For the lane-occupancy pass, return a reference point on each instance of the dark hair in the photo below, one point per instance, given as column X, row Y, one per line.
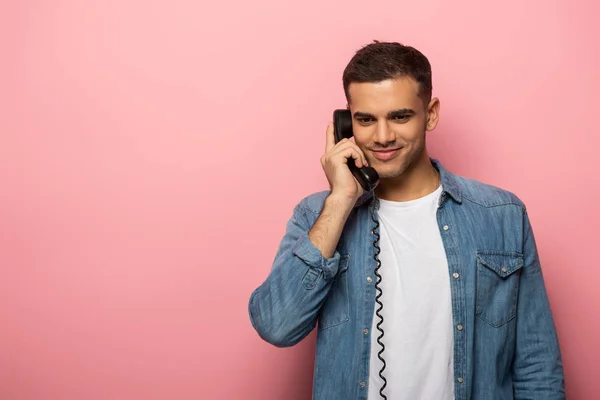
column 379, row 61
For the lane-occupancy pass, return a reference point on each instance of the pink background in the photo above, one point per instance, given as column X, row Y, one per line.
column 151, row 153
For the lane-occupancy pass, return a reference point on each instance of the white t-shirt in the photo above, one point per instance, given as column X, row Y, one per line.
column 417, row 307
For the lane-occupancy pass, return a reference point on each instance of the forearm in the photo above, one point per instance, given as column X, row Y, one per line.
column 284, row 308
column 325, row 233
column 537, row 364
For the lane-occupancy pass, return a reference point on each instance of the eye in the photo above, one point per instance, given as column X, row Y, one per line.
column 400, row 118
column 364, row 120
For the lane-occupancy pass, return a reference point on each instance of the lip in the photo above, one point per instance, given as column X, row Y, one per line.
column 386, row 154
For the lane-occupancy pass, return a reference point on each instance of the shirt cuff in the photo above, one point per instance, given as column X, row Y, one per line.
column 307, row 252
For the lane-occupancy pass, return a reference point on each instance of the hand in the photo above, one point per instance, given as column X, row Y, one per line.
column 335, row 164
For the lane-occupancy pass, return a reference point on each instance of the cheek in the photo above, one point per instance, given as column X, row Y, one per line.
column 362, row 137
column 413, row 133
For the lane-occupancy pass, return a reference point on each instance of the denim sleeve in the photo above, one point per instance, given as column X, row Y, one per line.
column 284, row 308
column 537, row 366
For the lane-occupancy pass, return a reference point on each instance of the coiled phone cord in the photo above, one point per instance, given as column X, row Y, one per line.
column 378, row 311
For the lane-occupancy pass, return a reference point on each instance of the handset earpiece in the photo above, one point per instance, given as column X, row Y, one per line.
column 342, row 128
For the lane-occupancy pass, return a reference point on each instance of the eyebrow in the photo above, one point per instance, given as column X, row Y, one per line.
column 391, row 114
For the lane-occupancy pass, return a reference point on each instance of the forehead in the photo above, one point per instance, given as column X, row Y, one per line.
column 383, row 96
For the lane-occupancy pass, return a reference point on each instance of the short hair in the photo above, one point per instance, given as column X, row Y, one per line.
column 379, row 61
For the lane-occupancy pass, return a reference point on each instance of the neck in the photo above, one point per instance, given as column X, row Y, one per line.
column 418, row 180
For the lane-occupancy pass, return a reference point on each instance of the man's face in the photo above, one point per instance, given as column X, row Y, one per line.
column 389, row 120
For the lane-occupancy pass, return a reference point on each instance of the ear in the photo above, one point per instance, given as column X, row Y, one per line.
column 433, row 113
column 347, row 106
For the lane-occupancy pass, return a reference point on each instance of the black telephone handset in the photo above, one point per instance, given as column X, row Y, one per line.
column 342, row 128
column 368, row 179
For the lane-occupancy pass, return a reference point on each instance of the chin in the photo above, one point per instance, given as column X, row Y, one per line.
column 389, row 171
column 396, row 167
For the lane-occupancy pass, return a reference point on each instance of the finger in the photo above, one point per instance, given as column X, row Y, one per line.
column 361, row 161
column 364, row 158
column 329, row 138
column 349, row 151
column 348, row 144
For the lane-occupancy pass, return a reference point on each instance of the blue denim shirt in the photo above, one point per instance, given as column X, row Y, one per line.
column 505, row 343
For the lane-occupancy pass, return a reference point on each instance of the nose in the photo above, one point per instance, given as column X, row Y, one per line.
column 384, row 134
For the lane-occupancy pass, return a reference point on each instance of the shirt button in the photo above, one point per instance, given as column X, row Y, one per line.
column 459, row 327
column 504, row 269
column 365, row 331
column 460, row 380
column 362, row 384
column 455, row 275
column 369, row 279
column 446, row 227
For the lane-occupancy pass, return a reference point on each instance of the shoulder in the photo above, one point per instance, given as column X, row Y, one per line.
column 485, row 194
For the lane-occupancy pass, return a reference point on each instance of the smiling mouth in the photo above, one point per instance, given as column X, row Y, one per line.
column 386, row 154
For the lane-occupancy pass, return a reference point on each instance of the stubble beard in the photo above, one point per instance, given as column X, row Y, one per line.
column 408, row 161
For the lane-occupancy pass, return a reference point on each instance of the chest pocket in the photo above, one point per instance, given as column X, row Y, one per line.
column 336, row 309
column 498, row 275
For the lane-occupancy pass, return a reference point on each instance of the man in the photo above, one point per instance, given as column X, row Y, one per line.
column 464, row 306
